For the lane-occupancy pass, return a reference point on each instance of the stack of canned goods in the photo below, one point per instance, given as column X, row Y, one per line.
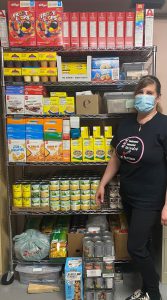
column 63, row 194
column 114, row 196
column 106, row 268
column 99, row 283
column 99, row 295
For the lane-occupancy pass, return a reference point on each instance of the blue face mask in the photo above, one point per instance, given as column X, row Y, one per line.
column 144, row 103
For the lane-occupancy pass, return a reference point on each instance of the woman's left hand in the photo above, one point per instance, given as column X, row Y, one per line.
column 164, row 215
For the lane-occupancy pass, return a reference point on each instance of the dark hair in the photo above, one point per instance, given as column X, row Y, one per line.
column 147, row 80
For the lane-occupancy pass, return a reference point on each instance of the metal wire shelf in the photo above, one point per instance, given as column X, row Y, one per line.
column 57, row 164
column 98, row 116
column 48, row 261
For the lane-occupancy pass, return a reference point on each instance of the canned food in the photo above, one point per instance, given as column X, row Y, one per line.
column 17, row 202
column 99, row 283
column 75, row 205
column 99, row 249
column 55, row 198
column 90, row 295
column 100, row 295
column 85, row 205
column 74, row 185
column 36, row 202
column 85, row 184
column 44, row 187
column 35, row 187
column 44, row 194
column 26, row 190
column 75, row 195
column 65, row 195
column 27, row 202
column 35, row 194
column 109, row 294
column 98, row 265
column 88, row 248
column 96, row 238
column 54, row 194
column 94, row 183
column 89, row 283
column 92, row 194
column 64, row 185
column 85, row 194
column 109, row 267
column 65, row 205
column 54, row 185
column 44, row 202
column 89, row 266
column 94, row 205
column 55, row 205
column 17, row 190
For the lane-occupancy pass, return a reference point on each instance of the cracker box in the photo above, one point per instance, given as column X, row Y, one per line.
column 93, row 30
column 120, row 30
column 53, row 128
column 149, row 23
column 66, row 150
column 88, row 149
column 16, row 146
column 102, row 75
column 74, row 278
column 3, row 29
column 84, row 19
column 105, row 63
column 15, row 125
column 35, row 147
column 66, row 30
column 15, row 100
column 139, row 25
column 129, row 29
column 49, row 23
column 108, row 148
column 74, row 27
column 53, row 151
column 102, row 30
column 99, row 149
column 76, row 150
column 111, row 30
column 21, row 23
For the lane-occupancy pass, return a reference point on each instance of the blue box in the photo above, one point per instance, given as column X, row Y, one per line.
column 14, row 90
column 74, row 278
column 102, row 75
column 105, row 63
column 34, row 135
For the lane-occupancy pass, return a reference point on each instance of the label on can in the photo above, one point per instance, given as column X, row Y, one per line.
column 65, row 195
column 54, row 185
column 85, row 184
column 35, row 194
column 54, row 194
column 17, row 202
column 44, row 202
column 36, row 202
column 64, row 185
column 74, row 185
column 26, row 190
column 35, row 187
column 55, row 205
column 17, row 190
column 75, row 205
column 27, row 202
column 85, row 194
column 44, row 194
column 75, row 195
column 65, row 205
column 44, row 187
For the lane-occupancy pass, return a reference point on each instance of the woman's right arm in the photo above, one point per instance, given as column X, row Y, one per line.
column 110, row 172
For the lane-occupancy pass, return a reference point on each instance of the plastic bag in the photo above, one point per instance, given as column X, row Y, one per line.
column 31, row 245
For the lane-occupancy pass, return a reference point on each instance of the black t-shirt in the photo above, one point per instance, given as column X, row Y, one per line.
column 142, row 150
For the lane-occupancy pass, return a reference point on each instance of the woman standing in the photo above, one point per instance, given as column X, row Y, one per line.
column 140, row 150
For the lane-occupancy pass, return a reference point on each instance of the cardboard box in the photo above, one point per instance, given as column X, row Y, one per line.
column 21, row 23
column 76, row 150
column 120, row 239
column 49, row 23
column 102, row 30
column 93, row 30
column 66, row 150
column 84, row 19
column 88, row 104
column 88, row 149
column 75, row 244
column 66, row 29
column 74, row 27
column 34, row 90
column 53, row 129
column 99, row 149
column 51, row 106
column 111, row 30
column 149, row 25
column 16, row 146
column 15, row 101
column 129, row 29
column 74, row 278
column 53, row 151
column 120, row 30
column 139, row 25
column 33, row 104
column 3, row 29
column 35, row 151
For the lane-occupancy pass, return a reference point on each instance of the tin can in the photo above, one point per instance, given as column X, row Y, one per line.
column 100, row 295
column 65, row 195
column 55, row 194
column 89, row 266
column 109, row 267
column 94, row 184
column 85, row 195
column 35, row 194
column 64, row 185
column 74, row 185
column 108, row 248
column 109, row 283
column 17, row 190
column 99, row 249
column 89, row 283
column 75, row 205
column 18, row 202
column 65, row 205
column 88, row 248
column 35, row 186
column 44, row 190
column 109, row 294
column 99, row 283
column 54, row 185
column 55, row 205
column 94, row 205
column 27, row 202
column 90, row 295
column 85, row 205
column 26, row 190
column 85, row 184
column 45, row 202
column 36, row 202
column 75, row 195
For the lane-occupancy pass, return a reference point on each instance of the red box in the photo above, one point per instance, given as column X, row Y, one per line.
column 129, row 29
column 84, row 19
column 111, row 30
column 93, row 30
column 120, row 30
column 21, row 20
column 49, row 23
column 66, row 30
column 102, row 30
column 74, row 27
column 33, row 90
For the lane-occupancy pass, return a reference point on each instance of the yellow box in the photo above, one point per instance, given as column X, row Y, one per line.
column 12, row 71
column 108, row 131
column 49, row 56
column 108, row 148
column 88, row 149
column 51, row 106
column 30, row 56
column 76, row 150
column 35, row 150
column 96, row 131
column 66, row 106
column 31, row 71
column 85, row 132
column 99, row 149
column 17, row 150
column 73, row 65
column 53, row 151
column 12, row 56
column 75, row 71
column 58, row 94
column 47, row 71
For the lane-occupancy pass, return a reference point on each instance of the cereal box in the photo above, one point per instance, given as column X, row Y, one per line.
column 35, row 147
column 49, row 23
column 111, row 30
column 66, row 150
column 102, row 30
column 129, row 29
column 74, row 278
column 120, row 30
column 93, row 30
column 88, row 149
column 74, row 26
column 76, row 150
column 53, row 128
column 21, row 22
column 108, row 148
column 16, row 146
column 139, row 25
column 149, row 25
column 99, row 149
column 66, row 30
column 53, row 151
column 84, row 30
column 3, row 29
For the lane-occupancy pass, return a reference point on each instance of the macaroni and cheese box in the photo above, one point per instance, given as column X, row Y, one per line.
column 76, row 150
column 21, row 23
column 96, row 131
column 108, row 148
column 74, row 278
column 51, row 106
column 53, row 129
column 99, row 149
column 35, row 147
column 49, row 23
column 88, row 149
column 16, row 146
column 66, row 106
column 53, row 151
